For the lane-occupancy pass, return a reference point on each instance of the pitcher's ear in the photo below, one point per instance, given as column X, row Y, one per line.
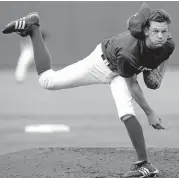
column 146, row 31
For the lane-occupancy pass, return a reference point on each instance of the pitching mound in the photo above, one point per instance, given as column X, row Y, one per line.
column 82, row 162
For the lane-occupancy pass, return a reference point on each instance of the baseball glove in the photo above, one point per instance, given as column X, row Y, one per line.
column 152, row 78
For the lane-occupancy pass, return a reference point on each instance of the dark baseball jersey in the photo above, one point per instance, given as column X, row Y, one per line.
column 128, row 55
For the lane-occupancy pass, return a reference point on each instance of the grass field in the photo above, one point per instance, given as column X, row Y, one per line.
column 89, row 112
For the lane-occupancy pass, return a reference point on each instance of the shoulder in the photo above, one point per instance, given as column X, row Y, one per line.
column 127, row 41
column 132, row 47
column 170, row 44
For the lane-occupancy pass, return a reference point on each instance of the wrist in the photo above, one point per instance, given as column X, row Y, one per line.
column 149, row 112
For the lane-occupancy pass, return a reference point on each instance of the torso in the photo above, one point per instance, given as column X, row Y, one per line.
column 128, row 55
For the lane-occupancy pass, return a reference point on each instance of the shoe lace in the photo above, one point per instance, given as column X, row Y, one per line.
column 142, row 168
column 138, row 165
column 134, row 167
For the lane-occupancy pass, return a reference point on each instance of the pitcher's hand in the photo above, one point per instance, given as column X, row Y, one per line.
column 155, row 121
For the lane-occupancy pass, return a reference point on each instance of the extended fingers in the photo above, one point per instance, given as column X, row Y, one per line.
column 158, row 126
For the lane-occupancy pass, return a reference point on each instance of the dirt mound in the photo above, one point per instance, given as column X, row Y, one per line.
column 83, row 162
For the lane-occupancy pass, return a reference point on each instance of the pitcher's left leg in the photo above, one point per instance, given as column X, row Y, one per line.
column 125, row 108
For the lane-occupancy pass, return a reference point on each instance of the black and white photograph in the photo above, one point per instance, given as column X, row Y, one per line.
column 89, row 89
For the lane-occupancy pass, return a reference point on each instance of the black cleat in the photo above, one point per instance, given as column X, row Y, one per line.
column 142, row 169
column 23, row 26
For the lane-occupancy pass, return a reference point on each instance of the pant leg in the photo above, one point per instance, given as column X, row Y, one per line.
column 122, row 97
column 91, row 70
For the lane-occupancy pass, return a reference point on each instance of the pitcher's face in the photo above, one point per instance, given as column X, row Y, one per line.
column 156, row 34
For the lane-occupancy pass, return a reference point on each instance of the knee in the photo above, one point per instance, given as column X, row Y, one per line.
column 126, row 110
column 126, row 117
column 46, row 80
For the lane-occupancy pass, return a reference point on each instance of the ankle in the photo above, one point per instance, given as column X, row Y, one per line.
column 35, row 30
column 142, row 158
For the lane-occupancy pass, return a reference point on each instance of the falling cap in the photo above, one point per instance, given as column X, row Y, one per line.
column 135, row 22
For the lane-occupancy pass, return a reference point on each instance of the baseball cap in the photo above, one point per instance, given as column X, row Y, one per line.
column 135, row 22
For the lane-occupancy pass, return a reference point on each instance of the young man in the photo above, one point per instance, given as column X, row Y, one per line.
column 26, row 58
column 116, row 61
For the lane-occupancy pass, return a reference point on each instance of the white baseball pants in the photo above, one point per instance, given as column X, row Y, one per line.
column 91, row 70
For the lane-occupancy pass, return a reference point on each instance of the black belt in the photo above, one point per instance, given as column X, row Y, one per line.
column 109, row 65
column 103, row 57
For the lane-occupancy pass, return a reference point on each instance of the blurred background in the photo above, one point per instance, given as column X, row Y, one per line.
column 75, row 28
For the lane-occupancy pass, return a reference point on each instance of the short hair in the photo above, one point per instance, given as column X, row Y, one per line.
column 158, row 15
